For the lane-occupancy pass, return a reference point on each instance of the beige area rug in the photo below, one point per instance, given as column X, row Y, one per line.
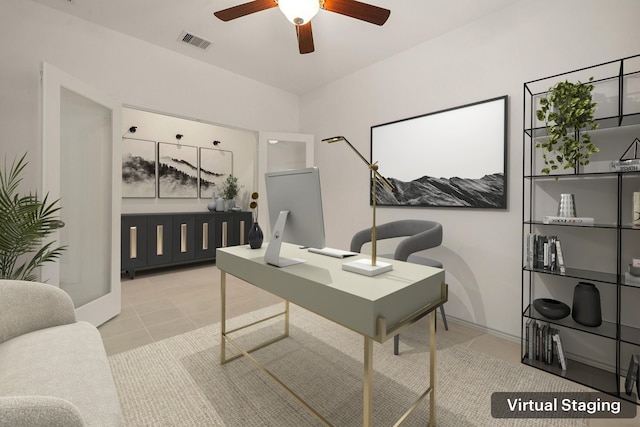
column 179, row 381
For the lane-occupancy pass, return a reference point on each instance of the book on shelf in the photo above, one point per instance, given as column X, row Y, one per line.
column 532, row 333
column 544, row 252
column 562, row 361
column 560, row 257
column 564, row 220
column 632, row 374
column 627, row 165
column 543, row 344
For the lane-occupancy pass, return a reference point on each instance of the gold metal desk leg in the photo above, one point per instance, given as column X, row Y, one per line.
column 367, row 417
column 286, row 318
column 432, row 368
column 223, row 314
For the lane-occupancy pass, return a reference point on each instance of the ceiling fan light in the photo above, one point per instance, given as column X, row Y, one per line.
column 299, row 12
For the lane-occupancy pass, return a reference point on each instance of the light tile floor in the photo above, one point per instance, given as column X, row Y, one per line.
column 162, row 303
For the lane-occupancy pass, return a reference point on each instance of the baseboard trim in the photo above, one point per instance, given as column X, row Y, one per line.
column 494, row 332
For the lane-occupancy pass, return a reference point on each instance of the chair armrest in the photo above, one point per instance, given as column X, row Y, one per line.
column 359, row 239
column 30, row 306
column 38, row 411
column 418, row 242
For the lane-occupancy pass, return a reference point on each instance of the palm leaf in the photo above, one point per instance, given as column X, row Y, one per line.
column 26, row 223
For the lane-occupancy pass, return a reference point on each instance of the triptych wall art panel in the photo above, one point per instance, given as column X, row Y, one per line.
column 177, row 171
column 215, row 167
column 158, row 169
column 450, row 158
column 138, row 168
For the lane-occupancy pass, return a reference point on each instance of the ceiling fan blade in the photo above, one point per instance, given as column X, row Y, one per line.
column 244, row 9
column 355, row 9
column 305, row 38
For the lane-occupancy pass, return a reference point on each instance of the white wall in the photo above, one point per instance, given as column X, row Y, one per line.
column 492, row 56
column 137, row 73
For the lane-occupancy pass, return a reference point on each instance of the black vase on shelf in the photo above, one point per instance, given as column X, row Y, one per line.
column 586, row 305
column 255, row 236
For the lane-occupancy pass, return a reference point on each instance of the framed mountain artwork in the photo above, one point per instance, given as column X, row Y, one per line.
column 454, row 158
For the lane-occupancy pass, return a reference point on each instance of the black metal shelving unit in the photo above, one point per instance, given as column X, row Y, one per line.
column 620, row 109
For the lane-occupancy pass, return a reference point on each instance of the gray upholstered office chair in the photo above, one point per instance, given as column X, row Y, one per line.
column 420, row 234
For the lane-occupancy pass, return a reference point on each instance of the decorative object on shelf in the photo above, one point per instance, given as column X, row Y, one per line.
column 365, row 267
column 26, row 224
column 230, row 189
column 551, row 308
column 586, row 305
column 567, row 206
column 212, row 203
column 629, row 164
column 256, row 236
column 568, row 113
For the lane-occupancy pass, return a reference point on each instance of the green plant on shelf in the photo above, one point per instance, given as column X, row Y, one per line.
column 568, row 113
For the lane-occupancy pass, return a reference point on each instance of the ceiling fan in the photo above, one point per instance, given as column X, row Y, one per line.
column 300, row 12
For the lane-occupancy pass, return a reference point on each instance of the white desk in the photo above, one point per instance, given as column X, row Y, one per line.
column 376, row 307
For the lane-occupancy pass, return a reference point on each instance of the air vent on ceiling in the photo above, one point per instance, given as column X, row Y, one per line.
column 195, row 41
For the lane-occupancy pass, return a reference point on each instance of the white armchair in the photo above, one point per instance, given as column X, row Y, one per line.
column 53, row 370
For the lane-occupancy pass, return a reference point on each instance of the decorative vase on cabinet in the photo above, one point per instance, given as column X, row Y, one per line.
column 212, row 203
column 220, row 204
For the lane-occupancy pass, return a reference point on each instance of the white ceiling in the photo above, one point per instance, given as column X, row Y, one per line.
column 263, row 45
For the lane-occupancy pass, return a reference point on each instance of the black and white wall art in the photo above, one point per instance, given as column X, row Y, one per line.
column 138, row 168
column 177, row 171
column 450, row 158
column 215, row 167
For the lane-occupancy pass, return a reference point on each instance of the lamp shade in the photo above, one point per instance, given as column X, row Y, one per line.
column 299, row 12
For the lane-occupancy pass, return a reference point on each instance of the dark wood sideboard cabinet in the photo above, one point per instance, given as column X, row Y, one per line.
column 150, row 240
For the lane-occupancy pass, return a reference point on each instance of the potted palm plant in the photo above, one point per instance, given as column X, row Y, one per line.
column 26, row 222
column 568, row 114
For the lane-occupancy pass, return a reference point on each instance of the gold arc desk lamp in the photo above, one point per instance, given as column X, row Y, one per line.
column 363, row 266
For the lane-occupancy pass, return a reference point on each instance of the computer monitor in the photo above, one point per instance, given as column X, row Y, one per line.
column 295, row 212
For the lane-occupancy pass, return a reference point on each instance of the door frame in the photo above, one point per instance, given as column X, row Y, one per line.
column 53, row 79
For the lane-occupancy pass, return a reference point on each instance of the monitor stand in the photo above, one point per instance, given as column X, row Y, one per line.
column 272, row 255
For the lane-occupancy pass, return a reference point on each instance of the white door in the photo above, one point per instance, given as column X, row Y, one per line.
column 81, row 160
